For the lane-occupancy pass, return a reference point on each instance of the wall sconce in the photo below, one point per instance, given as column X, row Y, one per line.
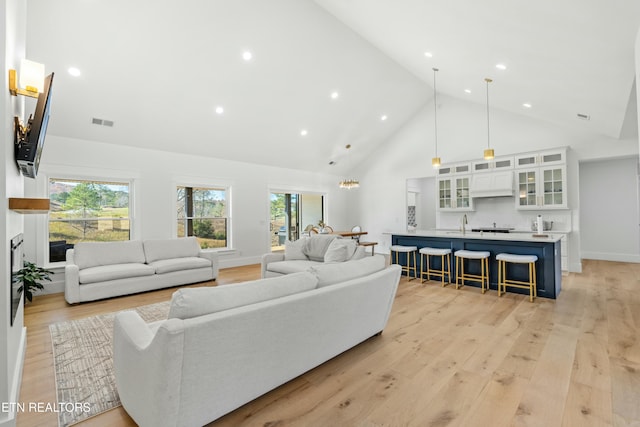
column 31, row 79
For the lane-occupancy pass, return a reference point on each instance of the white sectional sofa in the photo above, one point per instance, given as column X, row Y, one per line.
column 224, row 346
column 308, row 252
column 97, row 270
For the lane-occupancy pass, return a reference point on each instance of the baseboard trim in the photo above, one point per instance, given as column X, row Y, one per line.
column 608, row 256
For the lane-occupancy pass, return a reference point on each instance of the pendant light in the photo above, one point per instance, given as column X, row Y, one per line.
column 435, row 161
column 488, row 153
column 349, row 183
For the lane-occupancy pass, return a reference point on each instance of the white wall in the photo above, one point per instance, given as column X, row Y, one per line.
column 13, row 338
column 380, row 203
column 609, row 210
column 155, row 174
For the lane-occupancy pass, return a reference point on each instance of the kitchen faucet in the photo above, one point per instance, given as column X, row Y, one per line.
column 464, row 222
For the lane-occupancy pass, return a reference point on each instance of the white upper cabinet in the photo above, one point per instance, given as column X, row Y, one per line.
column 499, row 163
column 542, row 188
column 540, row 181
column 454, row 193
column 543, row 158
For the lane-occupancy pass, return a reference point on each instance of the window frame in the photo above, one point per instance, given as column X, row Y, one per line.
column 219, row 186
column 115, row 178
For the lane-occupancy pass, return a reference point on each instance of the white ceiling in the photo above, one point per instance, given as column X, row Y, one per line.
column 158, row 69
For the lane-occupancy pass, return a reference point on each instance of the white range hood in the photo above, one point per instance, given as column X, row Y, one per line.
column 492, row 184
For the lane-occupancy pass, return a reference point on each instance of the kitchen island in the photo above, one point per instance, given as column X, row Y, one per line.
column 546, row 247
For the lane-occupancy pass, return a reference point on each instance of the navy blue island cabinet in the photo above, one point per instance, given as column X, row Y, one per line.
column 547, row 248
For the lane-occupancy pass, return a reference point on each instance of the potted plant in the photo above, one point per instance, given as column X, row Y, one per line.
column 30, row 275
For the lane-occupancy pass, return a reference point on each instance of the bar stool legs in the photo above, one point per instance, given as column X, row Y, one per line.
column 445, row 258
column 503, row 282
column 461, row 276
column 409, row 250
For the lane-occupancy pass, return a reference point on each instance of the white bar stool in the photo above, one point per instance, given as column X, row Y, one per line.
column 503, row 282
column 445, row 257
column 461, row 276
column 408, row 250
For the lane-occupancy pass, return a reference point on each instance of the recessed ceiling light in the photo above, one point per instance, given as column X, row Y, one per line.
column 467, row 91
column 383, row 117
column 501, row 66
column 334, row 95
column 304, row 132
column 219, row 110
column 526, row 105
column 246, row 55
column 74, row 71
column 428, row 54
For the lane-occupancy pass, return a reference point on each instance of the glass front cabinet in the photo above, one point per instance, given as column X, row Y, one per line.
column 453, row 193
column 543, row 187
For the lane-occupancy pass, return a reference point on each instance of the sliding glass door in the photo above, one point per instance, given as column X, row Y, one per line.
column 291, row 214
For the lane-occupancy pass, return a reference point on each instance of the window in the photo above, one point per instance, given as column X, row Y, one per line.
column 91, row 211
column 202, row 212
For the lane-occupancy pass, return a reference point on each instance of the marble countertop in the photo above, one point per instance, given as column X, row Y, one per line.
column 516, row 236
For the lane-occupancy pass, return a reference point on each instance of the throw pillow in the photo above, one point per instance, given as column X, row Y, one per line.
column 193, row 302
column 340, row 250
column 316, row 246
column 329, row 274
column 293, row 250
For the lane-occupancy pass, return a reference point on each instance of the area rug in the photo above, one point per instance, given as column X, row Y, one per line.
column 83, row 363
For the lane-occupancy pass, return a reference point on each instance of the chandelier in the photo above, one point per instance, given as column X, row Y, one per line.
column 349, row 183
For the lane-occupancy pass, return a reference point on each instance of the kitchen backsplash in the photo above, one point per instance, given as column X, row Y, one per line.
column 502, row 211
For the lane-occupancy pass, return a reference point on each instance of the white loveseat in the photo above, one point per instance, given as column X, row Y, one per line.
column 227, row 345
column 97, row 270
column 302, row 254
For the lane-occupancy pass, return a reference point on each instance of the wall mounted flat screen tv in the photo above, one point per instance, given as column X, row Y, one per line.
column 29, row 149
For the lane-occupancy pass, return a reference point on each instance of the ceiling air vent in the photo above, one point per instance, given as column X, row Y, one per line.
column 102, row 122
column 583, row 116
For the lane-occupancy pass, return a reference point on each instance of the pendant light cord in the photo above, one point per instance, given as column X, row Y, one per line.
column 435, row 110
column 488, row 135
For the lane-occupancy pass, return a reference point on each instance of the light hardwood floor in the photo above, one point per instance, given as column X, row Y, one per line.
column 446, row 358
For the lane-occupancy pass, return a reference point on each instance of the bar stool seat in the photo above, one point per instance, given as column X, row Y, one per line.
column 445, row 257
column 461, row 276
column 503, row 282
column 408, row 250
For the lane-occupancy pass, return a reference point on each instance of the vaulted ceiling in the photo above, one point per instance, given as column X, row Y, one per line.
column 324, row 73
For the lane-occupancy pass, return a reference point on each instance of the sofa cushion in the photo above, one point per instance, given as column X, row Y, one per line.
column 178, row 264
column 316, row 246
column 288, row 267
column 293, row 250
column 329, row 274
column 340, row 250
column 93, row 254
column 102, row 273
column 193, row 302
column 182, row 247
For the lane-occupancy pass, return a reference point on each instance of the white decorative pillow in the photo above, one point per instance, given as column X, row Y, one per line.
column 316, row 246
column 340, row 250
column 193, row 302
column 293, row 250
